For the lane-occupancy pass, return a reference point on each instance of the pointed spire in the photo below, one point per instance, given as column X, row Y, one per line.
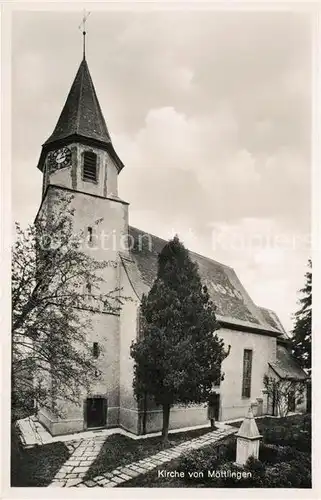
column 81, row 119
column 81, row 114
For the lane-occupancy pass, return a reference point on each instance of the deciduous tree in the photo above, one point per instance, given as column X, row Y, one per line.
column 51, row 355
column 284, row 393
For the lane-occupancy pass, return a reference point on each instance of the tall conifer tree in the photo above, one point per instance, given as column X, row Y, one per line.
column 177, row 356
column 303, row 323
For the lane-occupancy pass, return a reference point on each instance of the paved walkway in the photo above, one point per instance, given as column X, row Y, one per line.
column 83, row 454
column 86, row 451
column 33, row 433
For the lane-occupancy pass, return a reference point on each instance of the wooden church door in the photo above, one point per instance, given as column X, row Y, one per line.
column 96, row 412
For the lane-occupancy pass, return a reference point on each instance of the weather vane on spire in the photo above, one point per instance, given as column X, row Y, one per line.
column 82, row 27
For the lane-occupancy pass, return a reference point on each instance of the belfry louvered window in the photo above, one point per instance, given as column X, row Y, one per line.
column 90, row 166
column 247, row 373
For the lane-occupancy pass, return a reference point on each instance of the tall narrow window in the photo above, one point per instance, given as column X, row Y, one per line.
column 95, row 350
column 247, row 373
column 89, row 234
column 90, row 166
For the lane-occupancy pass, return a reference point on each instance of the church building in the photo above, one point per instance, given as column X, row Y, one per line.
column 79, row 158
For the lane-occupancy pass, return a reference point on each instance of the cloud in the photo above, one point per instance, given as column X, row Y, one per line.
column 203, row 168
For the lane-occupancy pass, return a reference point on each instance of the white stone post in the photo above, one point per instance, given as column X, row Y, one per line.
column 254, row 406
column 259, row 411
column 247, row 440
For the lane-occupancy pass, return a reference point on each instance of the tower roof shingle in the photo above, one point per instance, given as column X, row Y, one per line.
column 81, row 114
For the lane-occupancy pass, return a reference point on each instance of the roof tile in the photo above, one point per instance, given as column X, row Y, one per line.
column 286, row 366
column 233, row 304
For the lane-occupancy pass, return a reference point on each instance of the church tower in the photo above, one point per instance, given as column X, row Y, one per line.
column 79, row 154
column 79, row 158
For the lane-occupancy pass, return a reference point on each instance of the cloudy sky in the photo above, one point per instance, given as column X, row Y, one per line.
column 209, row 111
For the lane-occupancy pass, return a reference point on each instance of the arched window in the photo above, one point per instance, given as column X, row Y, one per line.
column 90, row 166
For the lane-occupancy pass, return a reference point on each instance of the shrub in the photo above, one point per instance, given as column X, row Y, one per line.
column 208, row 458
column 276, row 476
column 231, row 475
column 220, row 458
column 257, row 469
column 268, row 453
column 227, row 450
column 301, row 440
column 287, row 453
column 274, row 435
column 199, row 461
column 227, row 469
column 293, row 474
column 297, row 435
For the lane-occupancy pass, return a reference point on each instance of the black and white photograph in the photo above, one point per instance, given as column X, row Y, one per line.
column 161, row 257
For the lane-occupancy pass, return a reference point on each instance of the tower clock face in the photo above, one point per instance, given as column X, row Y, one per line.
column 59, row 158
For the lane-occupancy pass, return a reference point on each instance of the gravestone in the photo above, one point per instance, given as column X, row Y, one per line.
column 247, row 440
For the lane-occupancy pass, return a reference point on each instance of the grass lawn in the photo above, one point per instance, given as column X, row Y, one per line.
column 37, row 466
column 151, row 479
column 121, row 450
column 270, row 422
